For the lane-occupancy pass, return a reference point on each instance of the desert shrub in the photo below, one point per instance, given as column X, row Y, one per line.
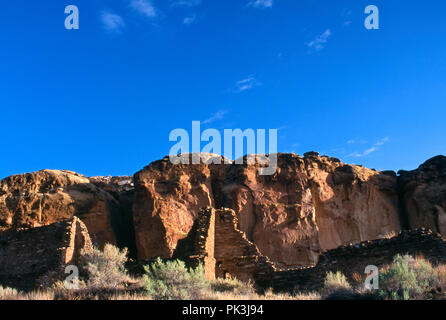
column 105, row 270
column 172, row 280
column 337, row 287
column 407, row 278
column 232, row 285
column 336, row 282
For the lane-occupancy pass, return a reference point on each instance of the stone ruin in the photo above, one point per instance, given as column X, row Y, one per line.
column 215, row 241
column 27, row 256
column 224, row 250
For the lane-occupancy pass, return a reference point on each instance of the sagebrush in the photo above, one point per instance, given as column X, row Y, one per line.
column 172, row 280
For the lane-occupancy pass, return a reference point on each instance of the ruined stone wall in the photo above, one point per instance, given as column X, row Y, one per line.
column 198, row 247
column 235, row 255
column 26, row 256
column 355, row 258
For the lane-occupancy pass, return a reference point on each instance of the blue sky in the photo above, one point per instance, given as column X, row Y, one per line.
column 103, row 99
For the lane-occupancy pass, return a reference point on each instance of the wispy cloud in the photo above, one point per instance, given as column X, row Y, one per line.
column 356, row 141
column 246, row 84
column 144, row 7
column 112, row 22
column 319, row 43
column 261, row 4
column 383, row 141
column 186, row 3
column 189, row 19
column 345, row 14
column 370, row 150
column 218, row 116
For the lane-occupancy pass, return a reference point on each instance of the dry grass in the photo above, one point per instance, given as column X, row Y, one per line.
column 390, row 234
column 233, row 289
column 13, row 294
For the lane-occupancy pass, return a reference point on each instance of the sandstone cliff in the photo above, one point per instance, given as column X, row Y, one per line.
column 167, row 200
column 423, row 195
column 44, row 197
column 310, row 205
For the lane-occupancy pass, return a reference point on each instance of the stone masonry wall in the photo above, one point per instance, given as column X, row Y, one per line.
column 27, row 256
column 198, row 246
column 353, row 259
column 235, row 255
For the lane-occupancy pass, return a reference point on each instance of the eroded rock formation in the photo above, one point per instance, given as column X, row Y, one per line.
column 48, row 196
column 167, row 200
column 310, row 205
column 424, row 195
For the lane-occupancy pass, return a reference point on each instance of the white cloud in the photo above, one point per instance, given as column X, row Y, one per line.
column 319, row 43
column 144, row 7
column 370, row 150
column 112, row 22
column 246, row 84
column 261, row 4
column 189, row 19
column 218, row 116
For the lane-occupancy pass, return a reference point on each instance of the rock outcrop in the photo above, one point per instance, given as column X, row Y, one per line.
column 167, row 200
column 423, row 195
column 310, row 205
column 41, row 198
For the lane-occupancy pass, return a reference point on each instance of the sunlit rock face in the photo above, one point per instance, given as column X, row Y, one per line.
column 167, row 200
column 48, row 196
column 424, row 195
column 309, row 205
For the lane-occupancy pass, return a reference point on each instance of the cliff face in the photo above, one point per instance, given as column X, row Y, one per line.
column 48, row 196
column 352, row 203
column 424, row 195
column 310, row 205
column 167, row 200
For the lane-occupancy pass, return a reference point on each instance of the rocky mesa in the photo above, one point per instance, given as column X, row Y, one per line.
column 310, row 205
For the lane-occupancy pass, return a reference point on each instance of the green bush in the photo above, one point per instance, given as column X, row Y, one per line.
column 407, row 279
column 105, row 270
column 172, row 280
